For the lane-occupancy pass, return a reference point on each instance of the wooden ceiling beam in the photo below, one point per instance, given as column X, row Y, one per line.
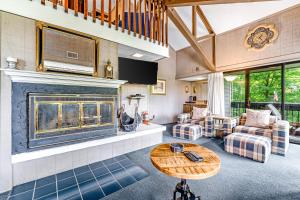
column 173, row 15
column 174, row 3
column 205, row 37
column 194, row 21
column 204, row 20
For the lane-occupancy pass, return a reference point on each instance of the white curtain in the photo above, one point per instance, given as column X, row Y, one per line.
column 216, row 104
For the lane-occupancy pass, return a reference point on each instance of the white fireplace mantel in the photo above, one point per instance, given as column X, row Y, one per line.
column 60, row 79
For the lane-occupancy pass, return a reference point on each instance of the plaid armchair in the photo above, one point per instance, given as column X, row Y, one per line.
column 227, row 123
column 278, row 132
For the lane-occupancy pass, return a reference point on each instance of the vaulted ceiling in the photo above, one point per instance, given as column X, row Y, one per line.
column 224, row 17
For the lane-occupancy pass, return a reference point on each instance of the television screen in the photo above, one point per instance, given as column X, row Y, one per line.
column 137, row 71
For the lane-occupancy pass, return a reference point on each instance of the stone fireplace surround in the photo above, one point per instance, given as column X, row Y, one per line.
column 22, row 138
column 27, row 166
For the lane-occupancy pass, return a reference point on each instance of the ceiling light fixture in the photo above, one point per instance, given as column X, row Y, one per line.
column 137, row 55
column 230, row 78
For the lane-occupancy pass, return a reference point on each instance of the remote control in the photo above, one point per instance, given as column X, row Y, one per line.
column 193, row 156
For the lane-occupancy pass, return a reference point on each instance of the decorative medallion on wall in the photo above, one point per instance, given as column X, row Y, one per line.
column 261, row 36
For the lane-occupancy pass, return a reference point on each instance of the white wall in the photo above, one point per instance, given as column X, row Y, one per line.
column 201, row 90
column 132, row 89
column 167, row 107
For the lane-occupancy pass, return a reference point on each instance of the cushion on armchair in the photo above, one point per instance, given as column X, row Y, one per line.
column 258, row 118
column 199, row 113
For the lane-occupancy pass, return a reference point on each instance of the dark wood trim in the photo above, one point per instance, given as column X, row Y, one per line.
column 283, row 91
column 247, row 88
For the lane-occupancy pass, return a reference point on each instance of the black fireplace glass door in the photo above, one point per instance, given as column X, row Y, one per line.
column 106, row 113
column 90, row 116
column 47, row 117
column 70, row 115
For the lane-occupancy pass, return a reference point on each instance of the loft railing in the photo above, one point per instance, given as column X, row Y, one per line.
column 143, row 18
column 291, row 112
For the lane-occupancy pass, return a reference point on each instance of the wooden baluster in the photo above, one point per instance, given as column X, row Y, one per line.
column 43, row 2
column 94, row 11
column 158, row 22
column 109, row 13
column 102, row 12
column 123, row 15
column 154, row 21
column 167, row 27
column 76, row 7
column 66, row 6
column 150, row 20
column 86, row 9
column 145, row 19
column 117, row 15
column 134, row 17
column 55, row 4
column 129, row 16
column 140, row 18
column 163, row 26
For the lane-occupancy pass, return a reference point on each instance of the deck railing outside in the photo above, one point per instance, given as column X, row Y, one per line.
column 292, row 110
column 143, row 18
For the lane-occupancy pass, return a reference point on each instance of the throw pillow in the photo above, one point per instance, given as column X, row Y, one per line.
column 258, row 118
column 199, row 113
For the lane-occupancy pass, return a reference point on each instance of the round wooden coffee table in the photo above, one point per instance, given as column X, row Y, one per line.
column 178, row 165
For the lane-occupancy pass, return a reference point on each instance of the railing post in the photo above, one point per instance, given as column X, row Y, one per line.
column 66, row 4
column 86, row 9
column 134, row 17
column 109, row 13
column 117, row 15
column 123, row 15
column 129, row 17
column 55, row 4
column 145, row 19
column 76, row 7
column 102, row 12
column 94, row 11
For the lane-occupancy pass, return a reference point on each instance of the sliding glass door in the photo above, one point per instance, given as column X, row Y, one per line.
column 265, row 88
column 278, row 85
column 292, row 92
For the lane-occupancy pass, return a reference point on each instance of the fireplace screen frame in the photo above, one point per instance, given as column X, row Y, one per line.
column 60, row 134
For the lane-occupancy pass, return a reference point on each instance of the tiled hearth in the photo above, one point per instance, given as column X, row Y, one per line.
column 93, row 181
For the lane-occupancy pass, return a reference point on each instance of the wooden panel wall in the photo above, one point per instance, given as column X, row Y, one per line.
column 232, row 55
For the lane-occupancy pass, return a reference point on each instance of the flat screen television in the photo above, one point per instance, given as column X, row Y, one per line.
column 137, row 71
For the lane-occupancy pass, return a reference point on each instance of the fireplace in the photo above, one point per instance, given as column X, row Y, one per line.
column 45, row 116
column 58, row 116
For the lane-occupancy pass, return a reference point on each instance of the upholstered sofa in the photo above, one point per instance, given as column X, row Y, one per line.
column 278, row 132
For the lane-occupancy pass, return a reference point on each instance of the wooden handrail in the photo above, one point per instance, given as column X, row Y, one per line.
column 148, row 17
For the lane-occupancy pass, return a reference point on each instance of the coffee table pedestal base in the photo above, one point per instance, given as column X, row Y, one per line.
column 184, row 190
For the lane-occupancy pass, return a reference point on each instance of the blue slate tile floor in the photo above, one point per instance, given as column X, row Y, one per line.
column 90, row 182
